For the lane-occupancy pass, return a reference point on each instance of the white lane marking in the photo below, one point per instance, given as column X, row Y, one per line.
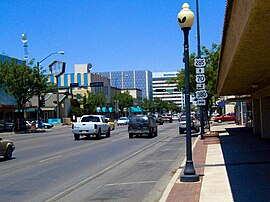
column 169, row 150
column 156, row 161
column 119, row 139
column 90, row 178
column 48, row 159
column 128, row 183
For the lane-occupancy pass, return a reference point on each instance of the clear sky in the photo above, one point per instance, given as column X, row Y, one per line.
column 112, row 35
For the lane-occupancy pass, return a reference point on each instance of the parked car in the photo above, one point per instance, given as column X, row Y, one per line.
column 227, row 117
column 142, row 124
column 166, row 117
column 6, row 126
column 122, row 121
column 6, row 148
column 43, row 124
column 214, row 114
column 195, row 124
column 110, row 122
column 158, row 119
column 28, row 124
column 175, row 117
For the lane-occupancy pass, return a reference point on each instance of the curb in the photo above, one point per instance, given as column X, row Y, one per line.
column 175, row 176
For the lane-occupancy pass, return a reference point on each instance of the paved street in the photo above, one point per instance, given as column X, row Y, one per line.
column 51, row 166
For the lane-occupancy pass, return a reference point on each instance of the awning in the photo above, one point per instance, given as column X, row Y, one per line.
column 221, row 104
column 136, row 109
column 104, row 109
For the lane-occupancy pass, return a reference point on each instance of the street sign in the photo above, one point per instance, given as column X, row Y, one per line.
column 96, row 84
column 200, row 78
column 74, row 84
column 199, row 62
column 200, row 70
column 201, row 94
column 200, row 86
column 201, row 102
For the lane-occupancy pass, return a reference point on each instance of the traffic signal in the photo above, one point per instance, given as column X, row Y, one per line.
column 42, row 101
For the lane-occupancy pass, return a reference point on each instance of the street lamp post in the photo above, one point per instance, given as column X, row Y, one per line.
column 185, row 20
column 38, row 103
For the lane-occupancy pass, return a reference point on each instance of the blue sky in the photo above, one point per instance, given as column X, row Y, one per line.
column 112, row 35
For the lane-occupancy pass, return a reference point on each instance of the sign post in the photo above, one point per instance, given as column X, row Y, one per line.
column 201, row 93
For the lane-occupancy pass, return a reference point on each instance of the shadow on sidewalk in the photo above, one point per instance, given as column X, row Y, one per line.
column 247, row 160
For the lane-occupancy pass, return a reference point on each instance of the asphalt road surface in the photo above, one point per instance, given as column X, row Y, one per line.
column 51, row 166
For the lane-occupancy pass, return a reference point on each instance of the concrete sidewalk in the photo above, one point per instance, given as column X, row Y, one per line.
column 236, row 169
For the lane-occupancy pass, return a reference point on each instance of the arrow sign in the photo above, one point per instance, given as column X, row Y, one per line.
column 200, row 70
column 200, row 86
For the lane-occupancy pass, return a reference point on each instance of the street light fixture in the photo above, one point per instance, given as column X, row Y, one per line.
column 38, row 104
column 185, row 20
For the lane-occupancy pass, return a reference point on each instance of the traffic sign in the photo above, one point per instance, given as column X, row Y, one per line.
column 200, row 86
column 200, row 70
column 200, row 78
column 201, row 102
column 201, row 94
column 199, row 62
column 96, row 84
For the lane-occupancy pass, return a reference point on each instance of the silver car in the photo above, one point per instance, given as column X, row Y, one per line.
column 6, row 148
column 195, row 124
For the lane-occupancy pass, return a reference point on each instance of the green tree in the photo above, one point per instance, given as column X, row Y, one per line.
column 23, row 82
column 159, row 104
column 147, row 105
column 212, row 58
column 77, row 111
column 211, row 71
column 171, row 106
column 124, row 100
column 93, row 101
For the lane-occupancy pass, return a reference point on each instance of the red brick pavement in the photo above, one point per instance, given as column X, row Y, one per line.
column 190, row 192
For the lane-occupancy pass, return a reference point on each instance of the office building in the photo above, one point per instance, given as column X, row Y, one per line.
column 140, row 79
column 165, row 91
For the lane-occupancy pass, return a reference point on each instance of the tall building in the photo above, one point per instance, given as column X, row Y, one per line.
column 140, row 79
column 83, row 78
column 165, row 91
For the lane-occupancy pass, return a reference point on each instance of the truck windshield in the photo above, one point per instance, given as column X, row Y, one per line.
column 90, row 119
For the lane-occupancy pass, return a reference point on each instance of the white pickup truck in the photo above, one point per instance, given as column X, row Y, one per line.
column 91, row 125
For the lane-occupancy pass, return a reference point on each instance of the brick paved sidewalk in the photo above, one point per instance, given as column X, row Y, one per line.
column 190, row 192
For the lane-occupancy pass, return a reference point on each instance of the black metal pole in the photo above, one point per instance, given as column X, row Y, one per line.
column 38, row 103
column 189, row 174
column 199, row 55
column 57, row 99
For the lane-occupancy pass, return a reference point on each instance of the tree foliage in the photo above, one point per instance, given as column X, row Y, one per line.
column 93, row 101
column 124, row 100
column 147, row 105
column 22, row 81
column 212, row 58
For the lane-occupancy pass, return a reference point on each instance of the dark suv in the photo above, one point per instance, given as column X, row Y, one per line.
column 142, row 124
